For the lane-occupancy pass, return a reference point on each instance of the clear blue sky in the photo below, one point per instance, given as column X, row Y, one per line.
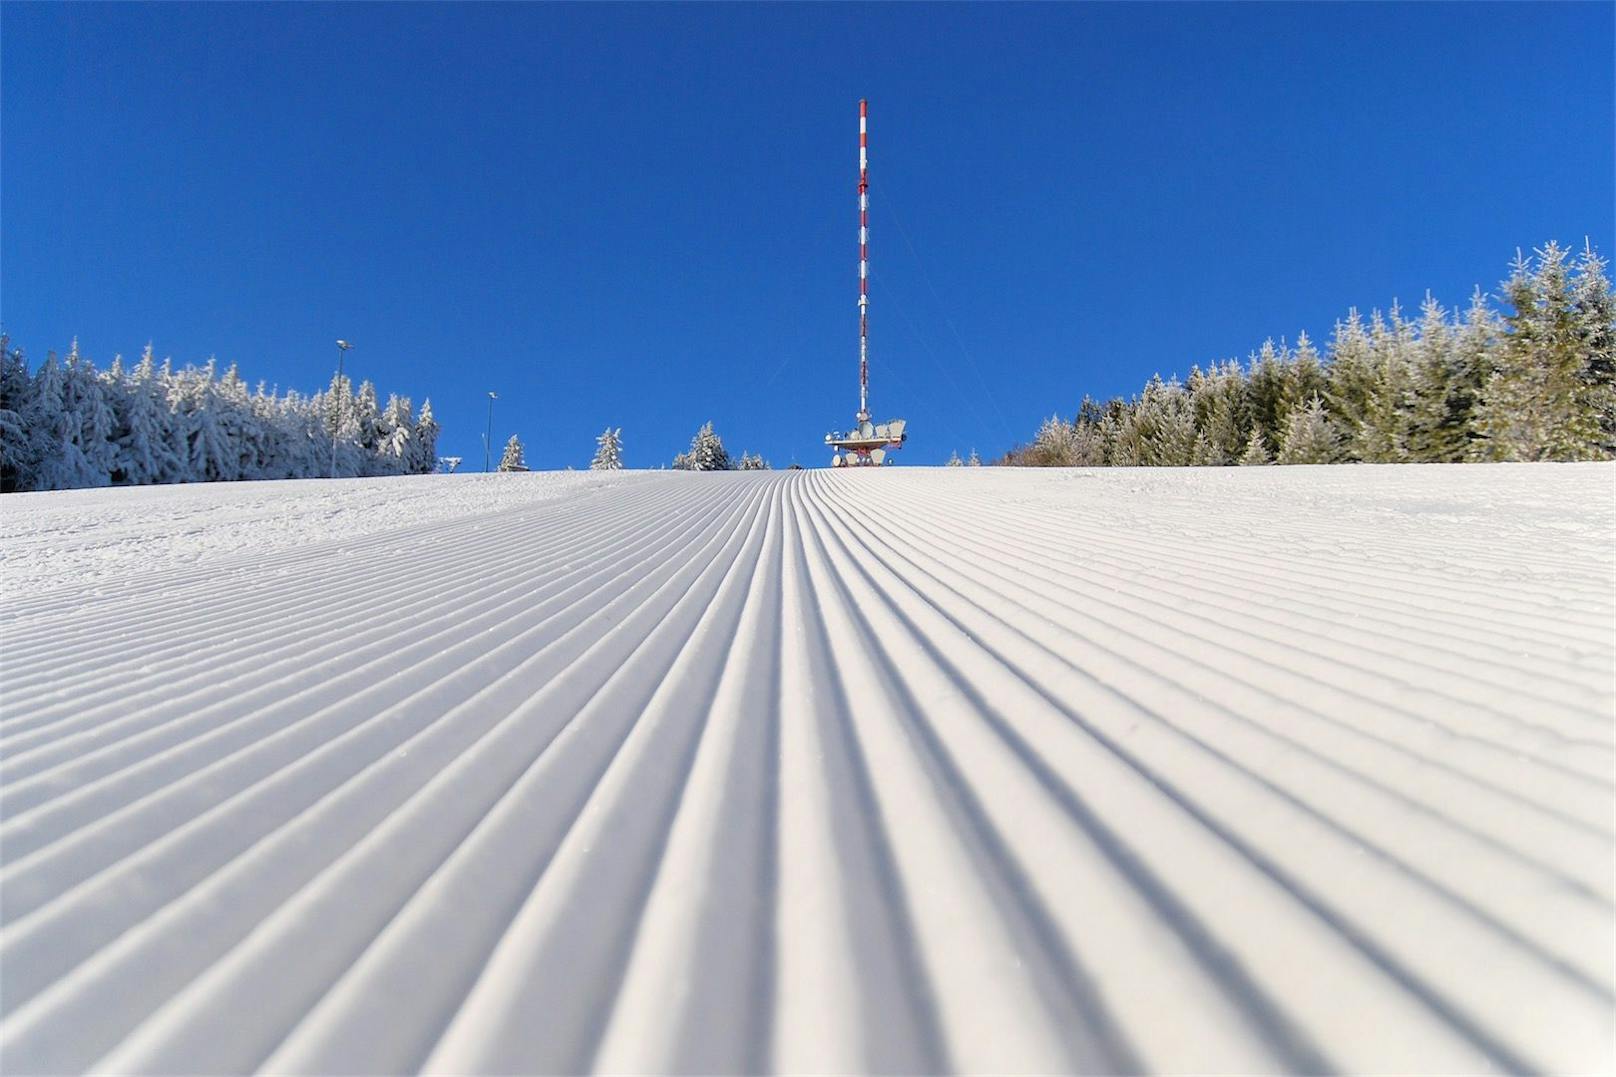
column 644, row 216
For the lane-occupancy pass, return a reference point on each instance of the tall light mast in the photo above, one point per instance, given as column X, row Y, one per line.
column 866, row 444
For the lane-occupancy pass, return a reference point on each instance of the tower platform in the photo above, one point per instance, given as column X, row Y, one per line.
column 866, row 445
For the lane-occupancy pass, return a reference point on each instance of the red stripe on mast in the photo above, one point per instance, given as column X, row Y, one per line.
column 864, row 261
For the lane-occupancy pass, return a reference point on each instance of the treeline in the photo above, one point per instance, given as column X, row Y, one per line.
column 1534, row 381
column 68, row 425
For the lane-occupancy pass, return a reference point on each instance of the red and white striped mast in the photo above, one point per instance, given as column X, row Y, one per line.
column 864, row 261
column 867, row 443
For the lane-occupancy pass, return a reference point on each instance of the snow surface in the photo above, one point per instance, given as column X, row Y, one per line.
column 1279, row 769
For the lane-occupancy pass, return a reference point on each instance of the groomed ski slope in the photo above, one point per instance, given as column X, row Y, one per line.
column 1277, row 769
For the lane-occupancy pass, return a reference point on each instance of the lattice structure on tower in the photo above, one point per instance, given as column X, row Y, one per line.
column 866, row 444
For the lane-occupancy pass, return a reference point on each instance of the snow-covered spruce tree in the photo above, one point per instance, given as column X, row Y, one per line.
column 1055, row 444
column 1390, row 417
column 1256, row 453
column 1088, row 439
column 1266, row 387
column 305, row 446
column 1225, row 419
column 1125, row 447
column 1304, row 374
column 18, row 452
column 1088, row 449
column 1450, row 370
column 60, row 463
column 397, row 446
column 145, row 442
column 954, row 460
column 1175, row 430
column 974, row 460
column 707, row 451
column 514, row 458
column 1309, row 437
column 273, row 447
column 753, row 463
column 206, row 453
column 1350, row 382
column 90, row 418
column 682, row 462
column 250, row 442
column 426, row 441
column 1549, row 397
column 1430, row 437
column 608, row 451
column 1594, row 305
column 1164, row 421
column 366, row 418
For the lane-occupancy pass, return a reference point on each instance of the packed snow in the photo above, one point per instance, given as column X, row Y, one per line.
column 84, row 536
column 969, row 769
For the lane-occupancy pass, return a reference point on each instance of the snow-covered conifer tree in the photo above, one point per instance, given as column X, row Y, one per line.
column 1055, row 444
column 426, row 441
column 1304, row 376
column 514, row 458
column 1221, row 414
column 91, row 420
column 707, row 451
column 1256, row 452
column 398, row 435
column 366, row 417
column 974, row 460
column 18, row 452
column 1552, row 395
column 1088, row 448
column 145, row 446
column 60, row 464
column 1309, row 437
column 1124, row 442
column 1350, row 380
column 210, row 449
column 1266, row 387
column 1384, row 437
column 1164, row 420
column 1593, row 304
column 954, row 460
column 608, row 451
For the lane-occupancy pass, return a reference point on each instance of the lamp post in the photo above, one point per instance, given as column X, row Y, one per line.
column 336, row 404
column 488, row 438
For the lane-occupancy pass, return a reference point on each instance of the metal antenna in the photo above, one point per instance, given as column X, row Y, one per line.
column 867, row 443
column 864, row 261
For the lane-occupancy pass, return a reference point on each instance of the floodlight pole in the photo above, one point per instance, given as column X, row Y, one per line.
column 488, row 438
column 336, row 403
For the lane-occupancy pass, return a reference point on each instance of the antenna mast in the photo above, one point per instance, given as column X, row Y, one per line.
column 864, row 261
column 867, row 443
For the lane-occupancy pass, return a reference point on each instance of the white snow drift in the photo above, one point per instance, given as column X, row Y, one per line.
column 970, row 769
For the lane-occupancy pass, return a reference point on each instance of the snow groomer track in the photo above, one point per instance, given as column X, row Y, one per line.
column 1284, row 769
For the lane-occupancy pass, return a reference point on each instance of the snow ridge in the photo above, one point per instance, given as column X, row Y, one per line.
column 1264, row 769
